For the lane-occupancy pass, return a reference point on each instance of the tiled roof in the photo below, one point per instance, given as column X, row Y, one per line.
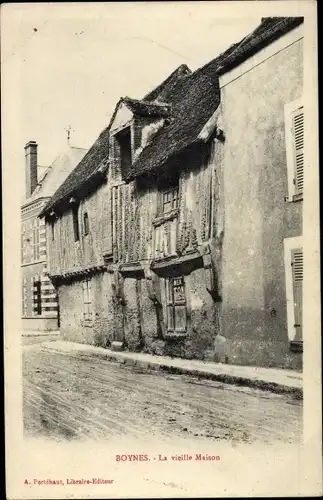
column 195, row 97
column 56, row 173
column 268, row 30
column 192, row 99
column 147, row 108
column 161, row 92
column 85, row 170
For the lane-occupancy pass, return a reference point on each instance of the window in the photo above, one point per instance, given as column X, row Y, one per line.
column 52, row 222
column 124, row 142
column 24, row 297
column 176, row 305
column 87, row 301
column 170, row 199
column 294, row 134
column 293, row 257
column 85, row 223
column 22, row 247
column 35, row 242
column 37, row 305
column 297, row 273
column 76, row 223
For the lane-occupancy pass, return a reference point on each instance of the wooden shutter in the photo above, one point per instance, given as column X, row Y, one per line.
column 297, row 272
column 170, row 306
column 298, row 136
column 176, row 305
column 179, row 304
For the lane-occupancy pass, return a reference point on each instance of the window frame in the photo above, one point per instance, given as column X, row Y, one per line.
column 172, row 197
column 52, row 225
column 24, row 298
column 125, row 161
column 86, row 225
column 36, row 299
column 75, row 221
column 290, row 245
column 36, row 242
column 289, row 112
column 172, row 302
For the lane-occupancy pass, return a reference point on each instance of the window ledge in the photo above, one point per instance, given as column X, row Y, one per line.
column 294, row 198
column 161, row 219
column 33, row 262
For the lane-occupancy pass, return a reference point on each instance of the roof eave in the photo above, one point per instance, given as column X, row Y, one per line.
column 163, row 162
column 257, row 44
column 91, row 184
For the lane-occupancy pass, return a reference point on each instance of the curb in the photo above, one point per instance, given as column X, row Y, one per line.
column 219, row 377
column 34, row 333
column 201, row 374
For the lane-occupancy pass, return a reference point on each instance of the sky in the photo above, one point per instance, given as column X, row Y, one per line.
column 73, row 62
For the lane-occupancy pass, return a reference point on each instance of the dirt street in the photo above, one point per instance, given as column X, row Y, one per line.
column 71, row 397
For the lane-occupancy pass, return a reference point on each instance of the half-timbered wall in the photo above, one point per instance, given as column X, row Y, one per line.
column 66, row 254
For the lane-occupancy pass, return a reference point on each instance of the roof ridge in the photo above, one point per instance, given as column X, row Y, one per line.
column 179, row 71
column 221, row 58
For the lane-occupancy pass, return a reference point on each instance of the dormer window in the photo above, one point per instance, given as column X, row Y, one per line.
column 123, row 139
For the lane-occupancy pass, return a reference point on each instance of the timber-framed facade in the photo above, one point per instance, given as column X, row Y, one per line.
column 144, row 232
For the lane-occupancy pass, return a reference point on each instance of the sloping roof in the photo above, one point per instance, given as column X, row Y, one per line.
column 195, row 97
column 265, row 33
column 192, row 99
column 56, row 173
column 99, row 151
column 147, row 108
column 85, row 170
column 162, row 91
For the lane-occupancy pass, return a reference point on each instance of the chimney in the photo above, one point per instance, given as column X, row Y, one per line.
column 31, row 167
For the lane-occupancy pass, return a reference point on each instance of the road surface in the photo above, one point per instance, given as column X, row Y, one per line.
column 71, row 397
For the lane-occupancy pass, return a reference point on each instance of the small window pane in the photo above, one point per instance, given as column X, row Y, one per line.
column 179, row 295
column 170, row 199
column 167, row 206
column 176, row 308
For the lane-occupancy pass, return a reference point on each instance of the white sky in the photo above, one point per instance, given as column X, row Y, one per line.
column 82, row 59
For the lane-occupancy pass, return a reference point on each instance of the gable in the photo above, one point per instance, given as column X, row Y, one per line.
column 122, row 117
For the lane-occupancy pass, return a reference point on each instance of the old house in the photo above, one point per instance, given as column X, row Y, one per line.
column 169, row 236
column 262, row 165
column 39, row 298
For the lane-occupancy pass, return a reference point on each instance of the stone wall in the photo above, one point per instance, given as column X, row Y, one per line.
column 257, row 217
column 73, row 326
